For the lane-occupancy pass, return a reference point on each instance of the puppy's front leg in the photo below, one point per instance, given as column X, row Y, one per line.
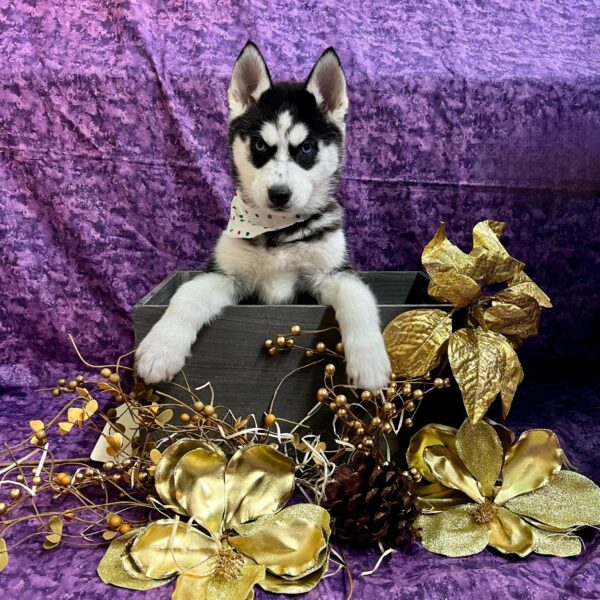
column 367, row 362
column 162, row 353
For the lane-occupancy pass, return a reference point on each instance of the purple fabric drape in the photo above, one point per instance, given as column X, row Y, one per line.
column 114, row 172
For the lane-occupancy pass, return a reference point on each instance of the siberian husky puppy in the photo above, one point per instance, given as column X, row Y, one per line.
column 284, row 235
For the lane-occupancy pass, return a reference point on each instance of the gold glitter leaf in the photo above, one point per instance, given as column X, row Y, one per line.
column 567, row 500
column 258, row 481
column 478, row 362
column 530, row 463
column 290, row 543
column 556, row 544
column 111, row 570
column 451, row 472
column 523, row 284
column 492, row 263
column 512, row 376
column 168, row 547
column 480, row 450
column 416, row 340
column 431, row 435
column 3, row 554
column 513, row 313
column 453, row 532
column 510, row 534
column 36, row 425
column 199, row 479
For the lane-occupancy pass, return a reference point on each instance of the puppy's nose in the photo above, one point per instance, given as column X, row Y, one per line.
column 279, row 195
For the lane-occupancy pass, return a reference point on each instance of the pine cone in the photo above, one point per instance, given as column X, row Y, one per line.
column 371, row 503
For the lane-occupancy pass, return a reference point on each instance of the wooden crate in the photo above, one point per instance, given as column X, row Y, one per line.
column 230, row 353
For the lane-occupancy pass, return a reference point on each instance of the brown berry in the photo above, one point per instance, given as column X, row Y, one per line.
column 295, row 330
column 125, row 529
column 270, row 419
column 115, row 522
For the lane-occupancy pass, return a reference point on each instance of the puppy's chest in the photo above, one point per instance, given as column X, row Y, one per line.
column 255, row 266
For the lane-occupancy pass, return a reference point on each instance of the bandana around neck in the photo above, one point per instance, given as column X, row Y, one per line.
column 246, row 222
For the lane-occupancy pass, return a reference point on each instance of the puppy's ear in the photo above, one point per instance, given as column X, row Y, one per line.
column 327, row 84
column 249, row 80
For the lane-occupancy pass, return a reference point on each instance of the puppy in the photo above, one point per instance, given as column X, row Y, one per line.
column 284, row 234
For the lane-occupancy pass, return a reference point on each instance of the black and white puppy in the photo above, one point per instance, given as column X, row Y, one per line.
column 285, row 233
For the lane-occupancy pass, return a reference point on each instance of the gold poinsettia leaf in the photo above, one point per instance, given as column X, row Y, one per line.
column 282, row 585
column 523, row 284
column 167, row 547
column 557, row 544
column 510, row 534
column 435, row 497
column 567, row 500
column 456, row 288
column 290, row 543
column 530, row 463
column 513, row 313
column 453, row 532
column 111, row 570
column 491, row 262
column 512, row 376
column 477, row 360
column 3, row 554
column 441, row 254
column 55, row 523
column 448, row 469
column 480, row 450
column 163, row 477
column 432, row 434
column 416, row 340
column 258, row 481
column 199, row 479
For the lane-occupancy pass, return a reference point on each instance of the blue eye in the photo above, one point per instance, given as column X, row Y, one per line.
column 259, row 145
column 307, row 147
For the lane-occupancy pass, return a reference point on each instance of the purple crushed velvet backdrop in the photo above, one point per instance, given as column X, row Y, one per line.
column 114, row 172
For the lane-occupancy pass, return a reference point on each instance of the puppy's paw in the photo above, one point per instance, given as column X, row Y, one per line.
column 161, row 354
column 367, row 363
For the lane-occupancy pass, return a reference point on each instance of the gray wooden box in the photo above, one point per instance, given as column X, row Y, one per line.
column 231, row 354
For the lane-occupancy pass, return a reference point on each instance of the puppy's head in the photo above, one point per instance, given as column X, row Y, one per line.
column 287, row 139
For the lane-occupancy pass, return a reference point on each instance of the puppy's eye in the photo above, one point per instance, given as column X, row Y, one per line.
column 307, row 147
column 259, row 145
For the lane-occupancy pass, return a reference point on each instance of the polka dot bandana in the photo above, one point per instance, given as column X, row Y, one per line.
column 246, row 222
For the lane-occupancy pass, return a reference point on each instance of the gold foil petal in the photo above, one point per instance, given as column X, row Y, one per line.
column 523, row 284
column 189, row 587
column 258, row 481
column 453, row 533
column 478, row 361
column 111, row 570
column 433, row 434
column 280, row 585
column 236, row 589
column 492, row 263
column 163, row 477
column 289, row 543
column 567, row 500
column 480, row 450
column 458, row 289
column 159, row 554
column 512, row 376
column 513, row 313
column 415, row 340
column 510, row 534
column 529, row 464
column 199, row 479
column 435, row 497
column 450, row 471
column 556, row 544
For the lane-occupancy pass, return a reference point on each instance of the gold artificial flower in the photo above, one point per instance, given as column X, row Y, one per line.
column 483, row 488
column 243, row 536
